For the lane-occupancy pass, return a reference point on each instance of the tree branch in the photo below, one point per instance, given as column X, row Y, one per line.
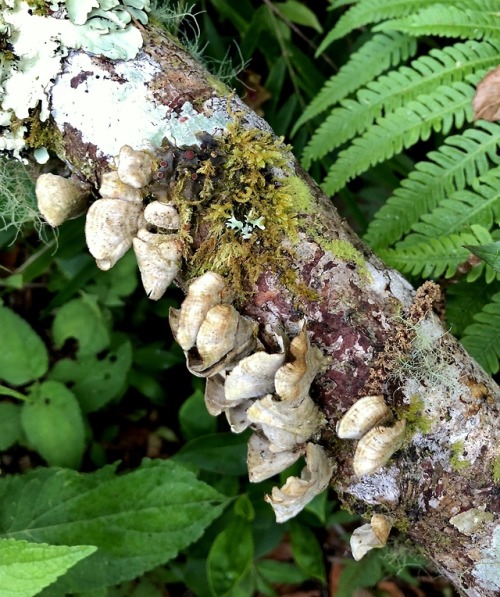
column 241, row 206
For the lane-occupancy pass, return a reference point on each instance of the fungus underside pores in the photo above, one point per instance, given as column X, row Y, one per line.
column 148, row 201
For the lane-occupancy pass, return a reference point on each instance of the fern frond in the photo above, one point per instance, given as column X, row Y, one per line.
column 339, row 3
column 434, row 257
column 372, row 11
column 464, row 300
column 481, row 205
column 374, row 57
column 481, row 338
column 454, row 165
column 448, row 106
column 447, row 21
column 395, row 88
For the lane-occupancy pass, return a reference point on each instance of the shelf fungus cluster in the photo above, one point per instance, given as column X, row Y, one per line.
column 130, row 212
column 268, row 392
column 377, row 442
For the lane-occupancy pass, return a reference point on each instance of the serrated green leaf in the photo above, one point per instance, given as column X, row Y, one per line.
column 299, row 13
column 95, row 381
column 230, row 558
column 120, row 281
column 53, row 423
column 10, row 425
column 489, row 253
column 83, row 320
column 307, row 552
column 24, row 356
column 223, row 453
column 27, row 568
column 138, row 521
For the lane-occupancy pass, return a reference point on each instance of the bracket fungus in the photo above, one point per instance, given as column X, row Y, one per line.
column 372, row 535
column 376, row 447
column 297, row 492
column 60, row 199
column 364, row 414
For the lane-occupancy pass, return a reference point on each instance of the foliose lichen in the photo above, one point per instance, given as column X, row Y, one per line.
column 39, row 35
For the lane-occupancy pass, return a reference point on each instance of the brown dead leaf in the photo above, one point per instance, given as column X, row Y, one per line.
column 391, row 588
column 486, row 102
column 256, row 94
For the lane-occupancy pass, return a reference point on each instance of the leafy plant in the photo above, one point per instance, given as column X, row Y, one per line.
column 404, row 90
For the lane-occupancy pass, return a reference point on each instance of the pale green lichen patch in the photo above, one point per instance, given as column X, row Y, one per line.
column 487, row 570
column 38, row 41
column 471, row 521
column 456, row 461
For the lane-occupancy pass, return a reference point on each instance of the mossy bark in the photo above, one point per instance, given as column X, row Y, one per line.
column 377, row 334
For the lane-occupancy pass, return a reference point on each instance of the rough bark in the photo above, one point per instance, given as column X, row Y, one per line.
column 378, row 335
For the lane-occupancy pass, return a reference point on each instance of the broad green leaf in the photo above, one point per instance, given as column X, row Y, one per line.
column 307, row 551
column 95, row 381
column 223, row 453
column 230, row 558
column 23, row 356
column 138, row 520
column 10, row 425
column 298, row 13
column 53, row 424
column 83, row 320
column 27, row 568
column 276, row 572
column 112, row 286
column 365, row 573
column 489, row 253
column 194, row 419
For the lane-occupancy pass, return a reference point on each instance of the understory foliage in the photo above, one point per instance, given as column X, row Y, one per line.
column 396, row 128
column 116, row 482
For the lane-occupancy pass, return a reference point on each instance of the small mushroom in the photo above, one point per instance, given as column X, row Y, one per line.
column 110, row 226
column 135, row 168
column 159, row 260
column 253, row 376
column 370, row 536
column 60, row 199
column 162, row 215
column 113, row 188
column 297, row 492
column 263, row 463
column 376, row 447
column 203, row 293
column 364, row 414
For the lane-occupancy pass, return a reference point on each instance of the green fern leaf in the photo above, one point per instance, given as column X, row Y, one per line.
column 454, row 165
column 481, row 205
column 481, row 338
column 394, row 89
column 434, row 257
column 447, row 21
column 374, row 57
column 448, row 106
column 464, row 300
column 372, row 11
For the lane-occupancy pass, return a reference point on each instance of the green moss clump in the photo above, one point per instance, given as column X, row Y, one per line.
column 344, row 251
column 496, row 470
column 248, row 204
column 457, row 463
column 415, row 421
